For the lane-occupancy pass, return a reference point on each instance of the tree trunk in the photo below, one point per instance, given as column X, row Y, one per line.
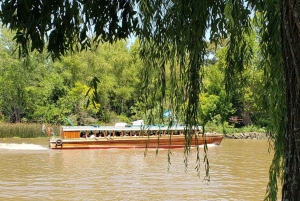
column 290, row 32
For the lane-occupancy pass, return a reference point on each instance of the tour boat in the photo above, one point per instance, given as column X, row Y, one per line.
column 122, row 136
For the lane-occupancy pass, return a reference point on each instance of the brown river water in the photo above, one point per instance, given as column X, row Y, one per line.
column 31, row 171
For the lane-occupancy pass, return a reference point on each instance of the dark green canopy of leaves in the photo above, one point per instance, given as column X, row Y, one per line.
column 67, row 25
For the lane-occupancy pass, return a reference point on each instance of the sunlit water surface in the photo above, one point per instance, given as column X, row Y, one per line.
column 30, row 171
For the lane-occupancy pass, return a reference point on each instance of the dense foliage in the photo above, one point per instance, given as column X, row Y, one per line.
column 45, row 91
column 42, row 90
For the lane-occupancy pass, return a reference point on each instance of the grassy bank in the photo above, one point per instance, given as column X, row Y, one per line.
column 226, row 129
column 23, row 130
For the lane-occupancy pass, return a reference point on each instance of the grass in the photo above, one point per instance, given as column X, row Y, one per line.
column 227, row 129
column 23, row 130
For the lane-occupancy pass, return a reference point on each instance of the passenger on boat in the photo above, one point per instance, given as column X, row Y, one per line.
column 83, row 134
column 118, row 133
column 92, row 135
column 98, row 134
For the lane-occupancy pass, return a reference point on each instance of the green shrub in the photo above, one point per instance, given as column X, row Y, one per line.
column 228, row 129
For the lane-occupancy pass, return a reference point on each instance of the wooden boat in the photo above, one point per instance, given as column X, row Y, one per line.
column 121, row 136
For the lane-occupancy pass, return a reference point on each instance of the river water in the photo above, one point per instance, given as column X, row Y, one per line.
column 30, row 171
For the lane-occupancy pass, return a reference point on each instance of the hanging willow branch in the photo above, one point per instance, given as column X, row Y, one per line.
column 176, row 41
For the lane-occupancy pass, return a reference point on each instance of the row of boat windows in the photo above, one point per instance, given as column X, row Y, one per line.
column 93, row 134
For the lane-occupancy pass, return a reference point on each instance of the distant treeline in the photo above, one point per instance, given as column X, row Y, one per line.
column 39, row 90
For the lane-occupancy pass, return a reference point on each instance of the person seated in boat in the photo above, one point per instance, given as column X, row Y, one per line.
column 109, row 135
column 98, row 134
column 91, row 135
column 83, row 134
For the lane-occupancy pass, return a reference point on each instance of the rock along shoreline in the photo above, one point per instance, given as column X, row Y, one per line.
column 250, row 135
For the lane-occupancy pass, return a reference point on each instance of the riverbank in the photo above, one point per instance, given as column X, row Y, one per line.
column 249, row 135
column 34, row 130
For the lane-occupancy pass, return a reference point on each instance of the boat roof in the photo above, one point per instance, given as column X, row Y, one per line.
column 125, row 128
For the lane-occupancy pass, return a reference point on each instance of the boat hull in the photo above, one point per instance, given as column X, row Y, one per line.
column 129, row 142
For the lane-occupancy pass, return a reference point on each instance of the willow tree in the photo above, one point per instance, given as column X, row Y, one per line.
column 173, row 35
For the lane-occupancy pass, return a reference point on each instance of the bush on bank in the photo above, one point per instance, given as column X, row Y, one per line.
column 229, row 130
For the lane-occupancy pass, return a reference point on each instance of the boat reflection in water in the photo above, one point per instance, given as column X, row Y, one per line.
column 122, row 136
